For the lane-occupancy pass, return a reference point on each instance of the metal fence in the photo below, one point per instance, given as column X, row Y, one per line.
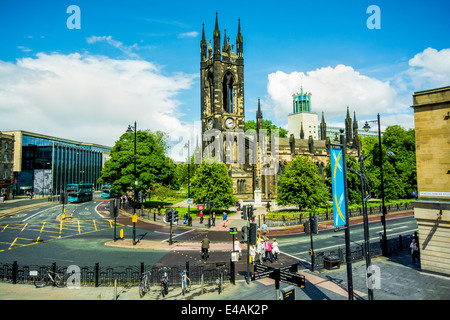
column 394, row 245
column 98, row 275
column 299, row 219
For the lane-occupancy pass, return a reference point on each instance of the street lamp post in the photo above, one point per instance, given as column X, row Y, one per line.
column 383, row 207
column 189, row 181
column 130, row 130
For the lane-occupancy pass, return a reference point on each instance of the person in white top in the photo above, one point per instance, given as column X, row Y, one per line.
column 275, row 249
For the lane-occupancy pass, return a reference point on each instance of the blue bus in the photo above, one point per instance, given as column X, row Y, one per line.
column 80, row 192
column 108, row 192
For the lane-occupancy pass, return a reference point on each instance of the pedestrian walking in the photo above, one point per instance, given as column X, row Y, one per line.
column 260, row 249
column 264, row 228
column 200, row 215
column 205, row 247
column 414, row 251
column 268, row 249
column 213, row 218
column 275, row 249
column 224, row 219
column 252, row 253
column 237, row 247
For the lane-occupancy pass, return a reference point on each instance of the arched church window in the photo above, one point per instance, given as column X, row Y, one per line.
column 228, row 93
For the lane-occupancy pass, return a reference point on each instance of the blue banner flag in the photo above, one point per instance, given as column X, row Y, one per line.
column 338, row 190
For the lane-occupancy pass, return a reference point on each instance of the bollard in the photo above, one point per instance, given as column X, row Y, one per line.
column 121, row 234
column 96, row 274
column 14, row 272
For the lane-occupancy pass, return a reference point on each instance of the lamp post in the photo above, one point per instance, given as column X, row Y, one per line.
column 187, row 145
column 130, row 130
column 383, row 207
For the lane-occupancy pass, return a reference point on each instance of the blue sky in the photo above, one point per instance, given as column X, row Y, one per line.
column 139, row 60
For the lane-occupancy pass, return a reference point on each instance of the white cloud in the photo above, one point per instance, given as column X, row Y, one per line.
column 333, row 89
column 428, row 69
column 192, row 34
column 89, row 98
column 128, row 51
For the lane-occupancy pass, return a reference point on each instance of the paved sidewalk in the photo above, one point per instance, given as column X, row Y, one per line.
column 400, row 279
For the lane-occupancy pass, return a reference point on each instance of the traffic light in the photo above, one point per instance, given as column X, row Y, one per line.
column 315, row 224
column 175, row 215
column 245, row 233
column 63, row 198
column 244, row 212
column 250, row 212
column 252, row 233
column 306, row 226
column 168, row 215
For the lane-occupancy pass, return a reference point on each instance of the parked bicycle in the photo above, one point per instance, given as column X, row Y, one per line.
column 164, row 285
column 185, row 281
column 144, row 287
column 49, row 278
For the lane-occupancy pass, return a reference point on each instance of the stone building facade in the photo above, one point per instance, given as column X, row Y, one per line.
column 432, row 209
column 255, row 161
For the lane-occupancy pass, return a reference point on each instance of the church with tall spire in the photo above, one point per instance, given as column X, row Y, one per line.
column 223, row 118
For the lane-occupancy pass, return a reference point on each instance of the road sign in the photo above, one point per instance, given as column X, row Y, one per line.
column 292, row 278
column 189, row 202
column 286, row 274
column 233, row 230
column 262, row 275
column 200, row 207
column 134, row 218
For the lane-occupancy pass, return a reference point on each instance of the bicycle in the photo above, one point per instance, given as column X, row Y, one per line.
column 164, row 285
column 185, row 281
column 144, row 287
column 50, row 277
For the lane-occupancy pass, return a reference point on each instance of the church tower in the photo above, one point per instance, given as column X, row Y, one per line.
column 221, row 82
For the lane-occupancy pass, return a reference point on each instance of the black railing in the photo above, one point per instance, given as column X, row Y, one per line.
column 98, row 275
column 357, row 251
column 299, row 219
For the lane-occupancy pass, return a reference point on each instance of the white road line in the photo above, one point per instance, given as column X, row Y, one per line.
column 178, row 235
column 37, row 214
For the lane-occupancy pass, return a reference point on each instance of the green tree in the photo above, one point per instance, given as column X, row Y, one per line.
column 211, row 181
column 399, row 163
column 301, row 185
column 152, row 165
column 266, row 125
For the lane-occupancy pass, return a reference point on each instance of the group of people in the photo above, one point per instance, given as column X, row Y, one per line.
column 265, row 250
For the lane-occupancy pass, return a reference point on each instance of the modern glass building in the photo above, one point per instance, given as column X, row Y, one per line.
column 45, row 165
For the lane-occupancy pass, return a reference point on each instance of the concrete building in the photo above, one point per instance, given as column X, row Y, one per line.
column 302, row 122
column 432, row 209
column 45, row 165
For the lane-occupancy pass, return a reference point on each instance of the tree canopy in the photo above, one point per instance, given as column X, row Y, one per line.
column 152, row 165
column 211, row 181
column 266, row 125
column 301, row 185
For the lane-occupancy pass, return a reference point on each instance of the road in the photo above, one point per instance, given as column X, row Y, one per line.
column 37, row 236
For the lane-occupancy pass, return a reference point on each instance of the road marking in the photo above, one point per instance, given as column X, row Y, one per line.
column 12, row 243
column 178, row 235
column 24, row 227
column 36, row 214
column 95, row 225
column 78, row 222
column 43, row 224
column 5, row 227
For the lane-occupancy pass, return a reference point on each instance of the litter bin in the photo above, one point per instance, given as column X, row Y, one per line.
column 330, row 262
column 287, row 293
